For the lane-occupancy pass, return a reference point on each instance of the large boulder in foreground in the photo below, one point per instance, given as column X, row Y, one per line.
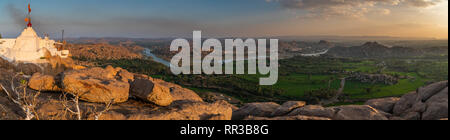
column 428, row 103
column 350, row 112
column 178, row 93
column 383, row 104
column 425, row 93
column 287, row 107
column 96, row 85
column 314, row 110
column 255, row 109
column 437, row 106
column 42, row 82
column 358, row 112
column 405, row 103
column 148, row 91
column 299, row 117
column 189, row 110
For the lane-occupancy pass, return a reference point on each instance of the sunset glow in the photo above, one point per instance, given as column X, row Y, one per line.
column 162, row 18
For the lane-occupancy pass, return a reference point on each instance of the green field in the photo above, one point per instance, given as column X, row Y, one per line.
column 301, row 77
column 297, row 84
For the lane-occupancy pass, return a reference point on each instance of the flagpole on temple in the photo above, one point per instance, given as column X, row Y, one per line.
column 29, row 15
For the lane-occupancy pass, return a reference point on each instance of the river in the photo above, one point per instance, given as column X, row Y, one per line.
column 148, row 52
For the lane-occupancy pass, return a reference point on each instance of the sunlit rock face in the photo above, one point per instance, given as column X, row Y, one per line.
column 29, row 47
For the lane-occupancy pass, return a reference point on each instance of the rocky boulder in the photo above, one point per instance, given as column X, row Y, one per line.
column 299, row 117
column 58, row 64
column 424, row 93
column 148, row 91
column 383, row 104
column 28, row 68
column 358, row 112
column 428, row 103
column 124, row 75
column 437, row 106
column 350, row 112
column 42, row 82
column 314, row 110
column 189, row 110
column 406, row 102
column 287, row 107
column 255, row 109
column 178, row 93
column 96, row 85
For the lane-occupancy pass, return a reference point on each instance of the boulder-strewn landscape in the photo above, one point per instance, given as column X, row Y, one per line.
column 116, row 94
column 117, row 82
column 427, row 103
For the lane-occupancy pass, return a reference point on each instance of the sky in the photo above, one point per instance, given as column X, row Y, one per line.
column 228, row 18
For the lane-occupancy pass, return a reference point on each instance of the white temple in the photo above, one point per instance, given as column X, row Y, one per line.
column 29, row 47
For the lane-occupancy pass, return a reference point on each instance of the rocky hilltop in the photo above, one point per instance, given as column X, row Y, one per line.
column 115, row 94
column 376, row 50
column 105, row 51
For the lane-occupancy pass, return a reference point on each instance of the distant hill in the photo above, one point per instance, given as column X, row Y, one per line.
column 376, row 50
column 349, row 38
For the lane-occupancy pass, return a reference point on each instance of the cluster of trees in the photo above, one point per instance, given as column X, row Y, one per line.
column 314, row 65
column 435, row 69
column 141, row 66
column 247, row 90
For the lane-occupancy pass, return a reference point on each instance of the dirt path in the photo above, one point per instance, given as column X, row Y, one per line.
column 338, row 94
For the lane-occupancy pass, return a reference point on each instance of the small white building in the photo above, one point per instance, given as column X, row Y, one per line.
column 29, row 48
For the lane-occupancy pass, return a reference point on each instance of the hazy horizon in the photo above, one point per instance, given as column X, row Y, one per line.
column 229, row 18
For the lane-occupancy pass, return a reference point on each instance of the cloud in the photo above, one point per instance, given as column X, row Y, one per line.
column 115, row 26
column 350, row 8
column 421, row 3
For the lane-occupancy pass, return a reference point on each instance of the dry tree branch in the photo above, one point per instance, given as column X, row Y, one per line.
column 75, row 101
column 75, row 110
column 22, row 99
column 108, row 105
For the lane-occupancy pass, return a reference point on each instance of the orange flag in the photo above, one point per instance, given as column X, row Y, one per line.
column 29, row 8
